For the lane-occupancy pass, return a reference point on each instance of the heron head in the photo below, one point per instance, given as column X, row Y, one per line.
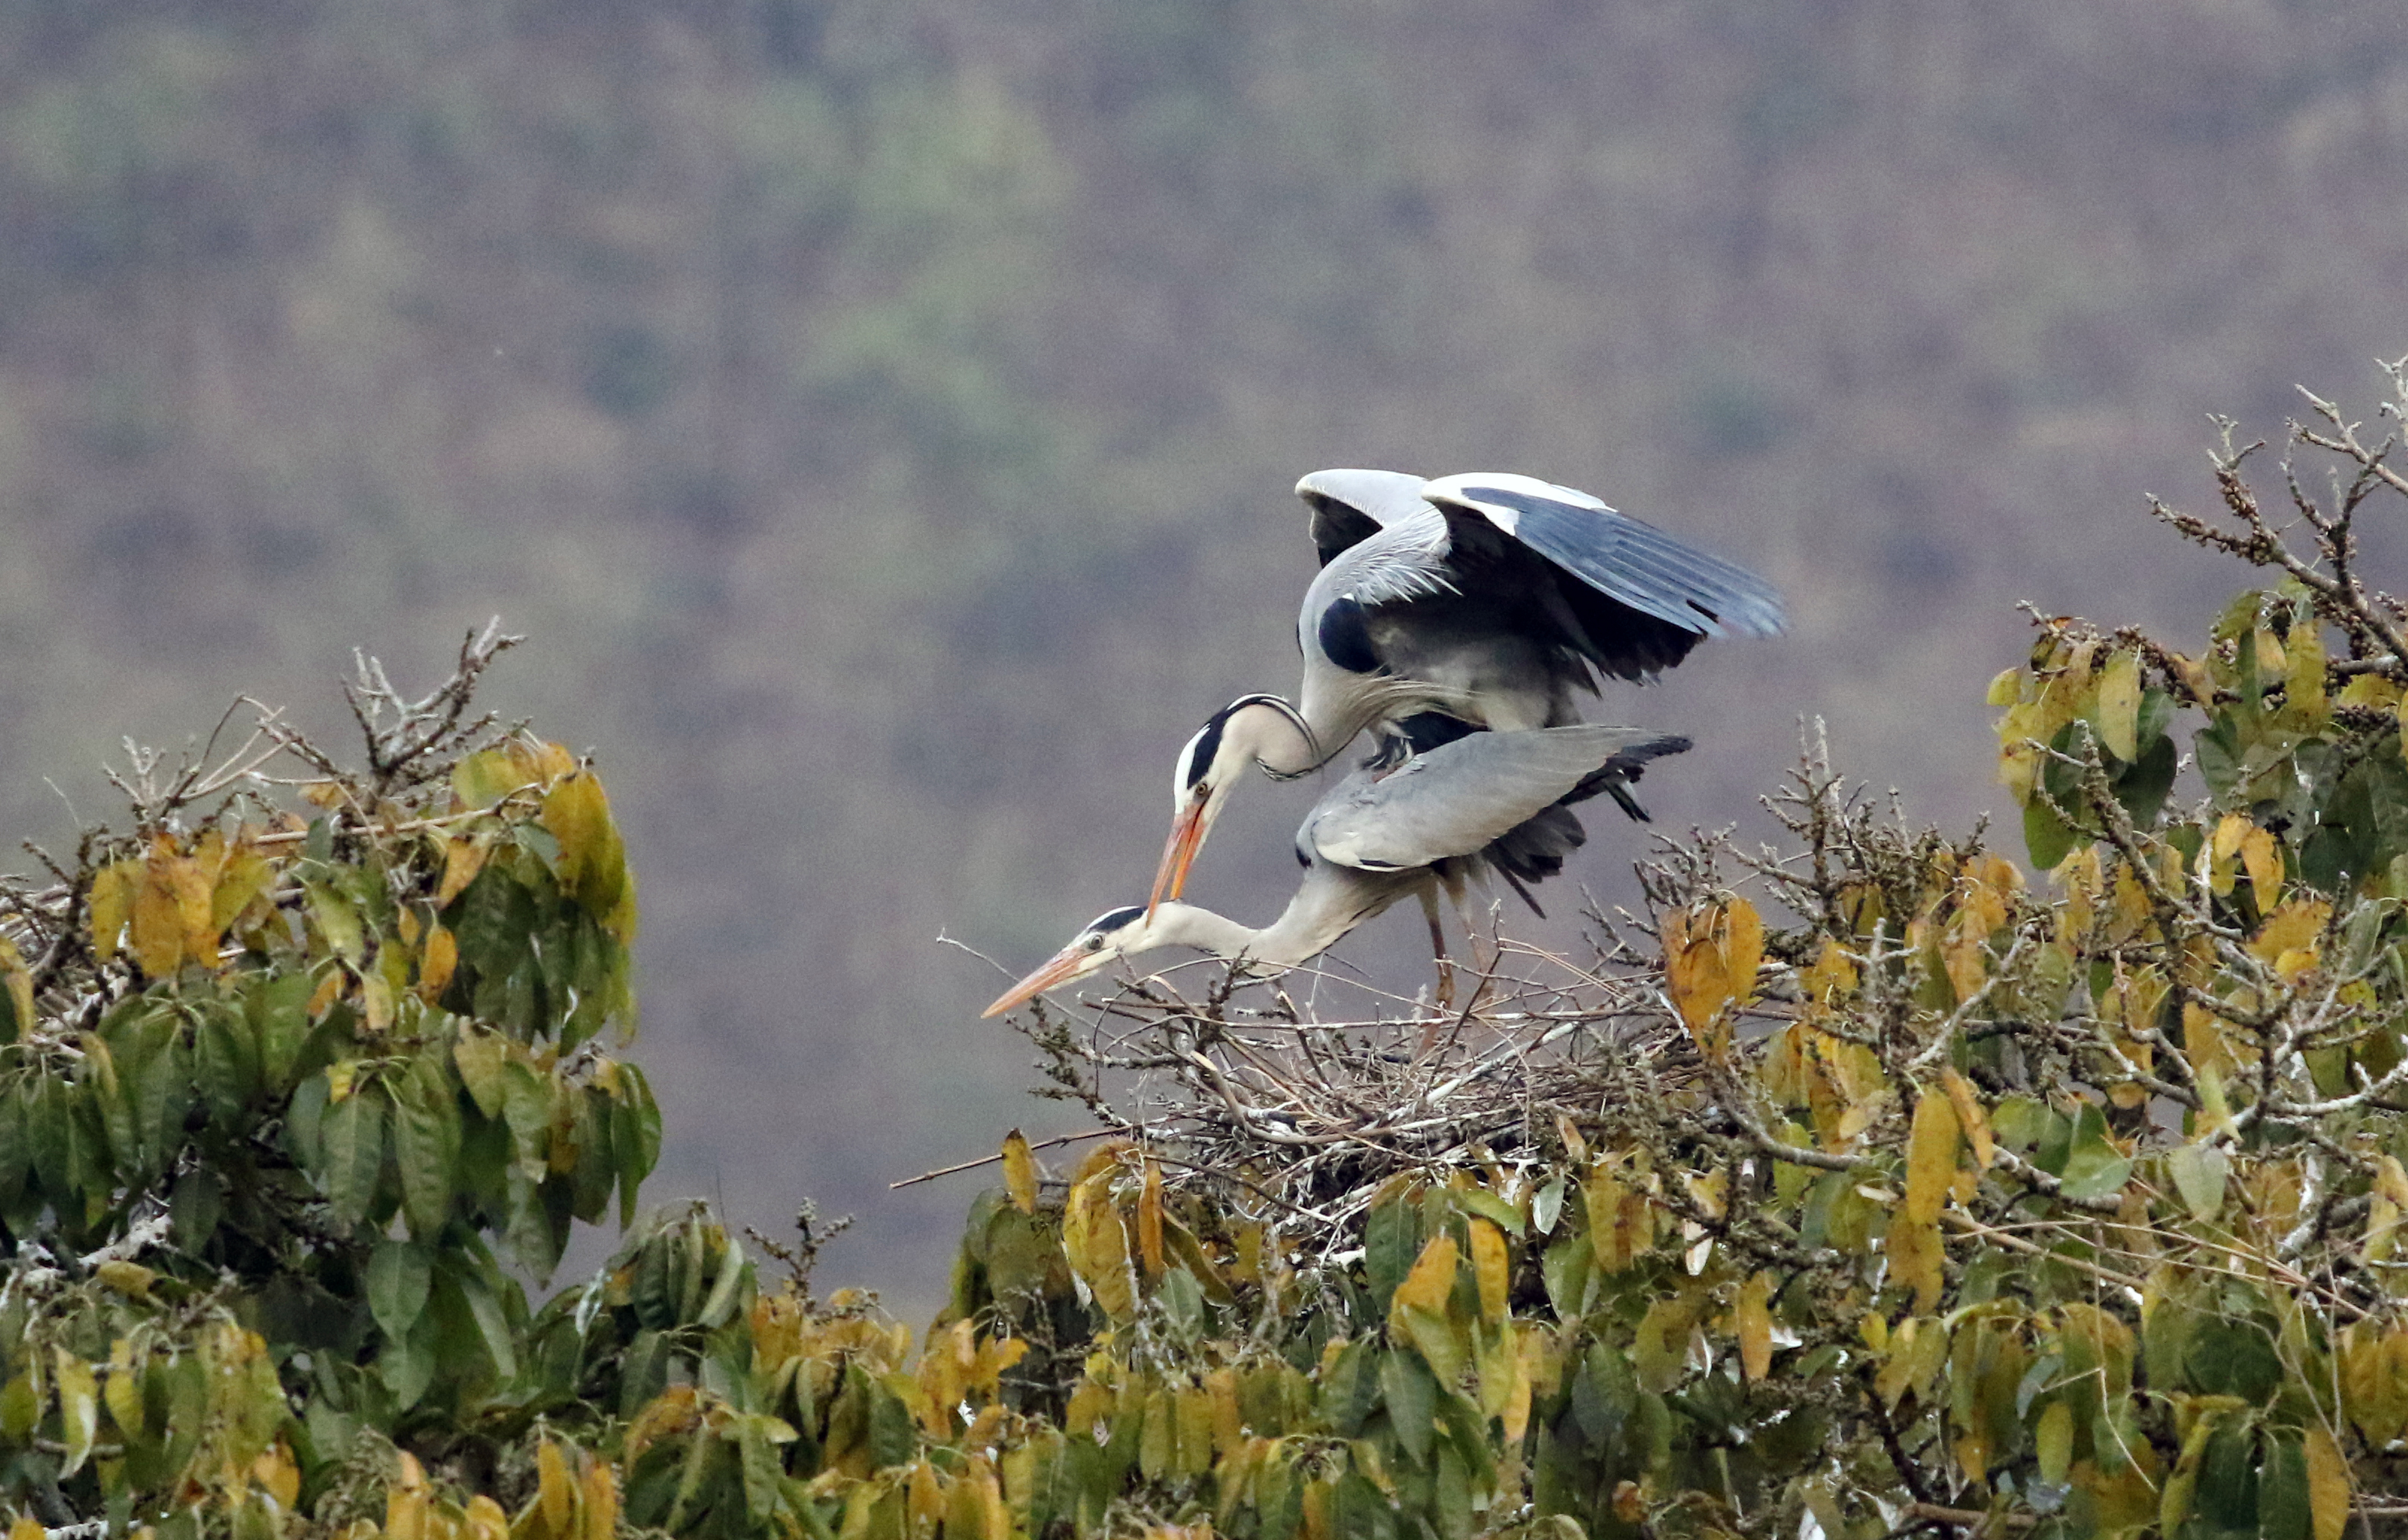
column 1112, row 934
column 1252, row 730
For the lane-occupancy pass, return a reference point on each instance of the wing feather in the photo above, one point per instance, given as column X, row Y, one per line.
column 1627, row 560
column 1350, row 505
column 1458, row 799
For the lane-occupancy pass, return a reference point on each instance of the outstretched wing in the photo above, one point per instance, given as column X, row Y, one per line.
column 1457, row 799
column 1648, row 575
column 1349, row 507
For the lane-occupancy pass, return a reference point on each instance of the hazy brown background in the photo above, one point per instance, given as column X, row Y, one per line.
column 882, row 414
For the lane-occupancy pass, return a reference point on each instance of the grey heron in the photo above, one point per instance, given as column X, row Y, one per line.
column 1480, row 601
column 1486, row 803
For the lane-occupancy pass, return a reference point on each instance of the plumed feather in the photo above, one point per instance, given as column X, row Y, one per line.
column 1461, row 798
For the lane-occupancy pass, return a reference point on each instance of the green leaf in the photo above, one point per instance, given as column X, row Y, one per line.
column 733, row 1270
column 225, row 1063
column 1391, row 1240
column 399, row 1275
column 337, row 921
column 2046, row 835
column 2199, row 1172
column 757, row 1438
column 426, row 1143
column 479, row 1058
column 485, row 1310
column 2143, row 786
column 486, row 777
column 1547, row 1205
column 20, row 1406
column 193, row 1211
column 2284, row 1510
column 351, row 1149
column 2093, row 1166
column 406, row 1365
column 279, row 1015
column 1412, row 1397
column 634, row 1137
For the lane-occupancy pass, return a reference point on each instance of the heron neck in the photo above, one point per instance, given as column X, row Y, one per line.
column 1323, row 909
column 1176, row 923
column 1278, row 746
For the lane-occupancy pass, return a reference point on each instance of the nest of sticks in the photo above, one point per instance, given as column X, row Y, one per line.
column 1301, row 1112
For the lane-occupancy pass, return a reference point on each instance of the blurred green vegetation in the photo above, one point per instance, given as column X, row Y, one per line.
column 882, row 415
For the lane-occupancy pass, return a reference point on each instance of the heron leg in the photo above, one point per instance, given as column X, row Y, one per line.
column 1445, row 995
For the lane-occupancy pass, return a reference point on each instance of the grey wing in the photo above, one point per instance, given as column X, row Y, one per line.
column 1407, row 560
column 1457, row 799
column 1351, row 506
column 1628, row 561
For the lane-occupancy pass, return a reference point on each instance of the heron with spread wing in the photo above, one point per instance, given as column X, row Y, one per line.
column 1489, row 804
column 1482, row 600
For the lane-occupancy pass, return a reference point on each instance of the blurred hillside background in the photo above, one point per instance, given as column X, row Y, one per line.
column 882, row 417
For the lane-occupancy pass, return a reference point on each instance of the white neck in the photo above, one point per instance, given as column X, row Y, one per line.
column 1328, row 905
column 1272, row 737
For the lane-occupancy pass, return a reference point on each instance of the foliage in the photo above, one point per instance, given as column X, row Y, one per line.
column 275, row 1087
column 1902, row 1195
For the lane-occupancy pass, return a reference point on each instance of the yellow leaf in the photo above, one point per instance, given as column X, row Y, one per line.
column 2292, row 928
column 1020, row 1171
column 1429, row 1283
column 437, row 963
column 1753, row 1319
column 1096, row 1243
column 462, row 860
column 131, row 1279
column 2054, row 1442
column 1575, row 1146
column 375, row 1001
column 2263, row 859
column 2329, row 1484
column 600, row 1514
column 243, row 877
column 112, row 905
column 592, row 861
column 1489, row 1269
column 158, row 928
column 275, row 1474
column 27, row 1527
column 1710, row 954
column 1930, row 1158
column 484, row 1521
column 2119, row 704
column 122, row 1391
column 330, row 989
column 20, row 980
column 2304, row 676
column 1913, row 1251
column 1831, row 976
column 78, row 1408
column 1149, row 1219
column 1970, row 1120
column 405, row 1503
column 556, row 1493
column 974, row 1506
column 1228, row 1416
column 1621, row 1225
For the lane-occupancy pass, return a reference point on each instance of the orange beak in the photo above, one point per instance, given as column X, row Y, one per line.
column 1178, row 855
column 1060, row 969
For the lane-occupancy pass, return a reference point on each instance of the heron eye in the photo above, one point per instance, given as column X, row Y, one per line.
column 1094, row 944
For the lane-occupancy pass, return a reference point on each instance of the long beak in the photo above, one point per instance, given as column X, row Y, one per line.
column 1178, row 855
column 1060, row 969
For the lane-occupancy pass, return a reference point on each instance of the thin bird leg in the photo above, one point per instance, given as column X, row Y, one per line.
column 1445, row 996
